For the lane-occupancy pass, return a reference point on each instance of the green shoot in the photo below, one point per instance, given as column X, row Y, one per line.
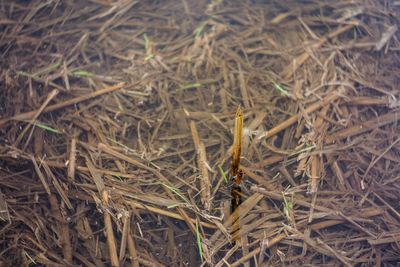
column 119, row 178
column 176, row 191
column 36, row 75
column 30, row 258
column 47, row 69
column 173, row 206
column 82, row 73
column 276, row 175
column 146, row 42
column 47, row 128
column 147, row 48
column 190, row 86
column 23, row 73
column 288, row 207
column 280, row 89
column 223, row 174
column 199, row 30
column 148, row 57
column 198, row 238
column 279, row 230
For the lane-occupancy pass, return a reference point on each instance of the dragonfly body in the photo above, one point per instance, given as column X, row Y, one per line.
column 237, row 147
column 236, row 172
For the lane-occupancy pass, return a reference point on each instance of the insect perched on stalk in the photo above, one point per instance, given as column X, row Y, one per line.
column 236, row 173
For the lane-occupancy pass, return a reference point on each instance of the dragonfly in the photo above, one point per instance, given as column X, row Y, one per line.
column 236, row 173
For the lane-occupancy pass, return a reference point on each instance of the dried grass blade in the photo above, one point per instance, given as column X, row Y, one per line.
column 57, row 185
column 31, row 114
column 112, row 247
column 72, row 159
column 205, row 183
column 293, row 119
column 40, row 175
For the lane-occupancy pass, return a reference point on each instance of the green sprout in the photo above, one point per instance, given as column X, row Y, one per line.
column 146, row 41
column 82, row 73
column 47, row 69
column 147, row 48
column 30, row 258
column 148, row 57
column 47, row 128
column 223, row 174
column 198, row 238
column 199, row 30
column 26, row 74
column 190, row 86
column 288, row 207
column 276, row 175
column 173, row 205
column 176, row 191
column 119, row 178
column 280, row 89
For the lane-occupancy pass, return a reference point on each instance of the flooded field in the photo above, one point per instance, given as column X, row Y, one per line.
column 199, row 133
